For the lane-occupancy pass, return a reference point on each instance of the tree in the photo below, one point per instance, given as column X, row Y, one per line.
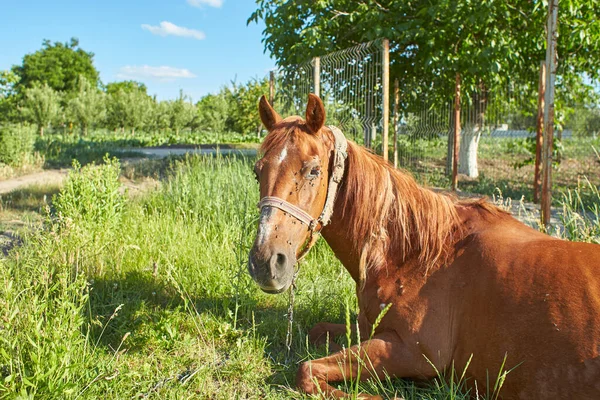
column 126, row 86
column 242, row 99
column 181, row 112
column 213, row 112
column 42, row 105
column 57, row 65
column 128, row 110
column 8, row 80
column 88, row 107
column 158, row 120
column 483, row 40
column 486, row 42
column 8, row 98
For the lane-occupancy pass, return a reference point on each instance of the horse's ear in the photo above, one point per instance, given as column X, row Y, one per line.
column 315, row 113
column 268, row 115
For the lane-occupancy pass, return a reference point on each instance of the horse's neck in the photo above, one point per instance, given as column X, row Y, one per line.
column 397, row 241
column 337, row 236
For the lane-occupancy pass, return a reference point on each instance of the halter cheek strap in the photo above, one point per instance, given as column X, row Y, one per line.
column 340, row 153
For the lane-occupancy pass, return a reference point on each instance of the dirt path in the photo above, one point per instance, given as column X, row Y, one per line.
column 47, row 177
column 56, row 177
column 162, row 152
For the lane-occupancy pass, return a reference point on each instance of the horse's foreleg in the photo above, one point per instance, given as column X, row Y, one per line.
column 384, row 354
column 324, row 332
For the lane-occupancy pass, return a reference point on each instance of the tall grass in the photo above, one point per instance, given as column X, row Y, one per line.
column 580, row 215
column 149, row 297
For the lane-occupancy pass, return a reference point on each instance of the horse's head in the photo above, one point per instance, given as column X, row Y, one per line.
column 293, row 175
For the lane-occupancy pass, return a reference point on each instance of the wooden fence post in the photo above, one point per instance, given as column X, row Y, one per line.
column 539, row 134
column 386, row 97
column 456, row 133
column 551, row 60
column 396, row 120
column 317, row 75
column 271, row 87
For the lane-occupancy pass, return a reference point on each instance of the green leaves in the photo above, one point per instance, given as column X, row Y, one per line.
column 42, row 105
column 58, row 65
column 128, row 109
column 88, row 107
column 485, row 41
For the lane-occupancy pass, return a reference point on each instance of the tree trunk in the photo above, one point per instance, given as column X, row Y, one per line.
column 469, row 144
column 450, row 149
column 41, row 130
column 470, row 135
column 559, row 133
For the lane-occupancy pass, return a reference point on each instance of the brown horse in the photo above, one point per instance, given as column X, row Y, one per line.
column 463, row 277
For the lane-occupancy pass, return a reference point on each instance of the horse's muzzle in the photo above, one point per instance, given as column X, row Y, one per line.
column 273, row 273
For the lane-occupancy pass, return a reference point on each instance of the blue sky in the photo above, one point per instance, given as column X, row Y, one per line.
column 194, row 45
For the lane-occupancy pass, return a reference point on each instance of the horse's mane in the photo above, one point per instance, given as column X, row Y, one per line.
column 389, row 210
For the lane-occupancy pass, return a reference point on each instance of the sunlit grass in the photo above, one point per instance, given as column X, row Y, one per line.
column 151, row 299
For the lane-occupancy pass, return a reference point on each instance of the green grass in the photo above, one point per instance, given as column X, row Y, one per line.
column 58, row 150
column 120, row 297
column 22, row 151
column 503, row 164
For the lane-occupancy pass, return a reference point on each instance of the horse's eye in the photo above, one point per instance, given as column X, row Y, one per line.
column 314, row 173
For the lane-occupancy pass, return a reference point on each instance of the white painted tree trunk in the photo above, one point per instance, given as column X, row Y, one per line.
column 469, row 144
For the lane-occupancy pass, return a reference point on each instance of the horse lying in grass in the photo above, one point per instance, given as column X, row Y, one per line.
column 460, row 278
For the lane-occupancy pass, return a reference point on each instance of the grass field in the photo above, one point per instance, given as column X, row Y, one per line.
column 115, row 296
column 57, row 148
column 505, row 165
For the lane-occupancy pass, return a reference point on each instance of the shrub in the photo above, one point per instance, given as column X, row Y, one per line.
column 16, row 144
column 90, row 196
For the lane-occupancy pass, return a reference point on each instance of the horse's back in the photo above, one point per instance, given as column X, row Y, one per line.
column 538, row 299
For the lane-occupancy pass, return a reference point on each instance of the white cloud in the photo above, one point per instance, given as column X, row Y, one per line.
column 162, row 73
column 210, row 3
column 167, row 28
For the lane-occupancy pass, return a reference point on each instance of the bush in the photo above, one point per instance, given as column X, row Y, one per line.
column 16, row 144
column 90, row 197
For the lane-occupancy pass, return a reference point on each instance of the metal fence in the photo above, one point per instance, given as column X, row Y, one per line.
column 350, row 83
column 497, row 126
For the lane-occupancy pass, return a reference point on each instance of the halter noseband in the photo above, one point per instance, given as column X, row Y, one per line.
column 315, row 225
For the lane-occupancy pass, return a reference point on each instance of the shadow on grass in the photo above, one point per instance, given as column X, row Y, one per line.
column 59, row 153
column 493, row 187
column 32, row 198
column 149, row 302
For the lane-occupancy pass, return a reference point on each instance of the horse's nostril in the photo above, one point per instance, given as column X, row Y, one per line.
column 278, row 263
column 281, row 260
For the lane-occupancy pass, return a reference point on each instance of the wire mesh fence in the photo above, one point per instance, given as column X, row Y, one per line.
column 498, row 144
column 350, row 84
column 498, row 125
column 292, row 88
